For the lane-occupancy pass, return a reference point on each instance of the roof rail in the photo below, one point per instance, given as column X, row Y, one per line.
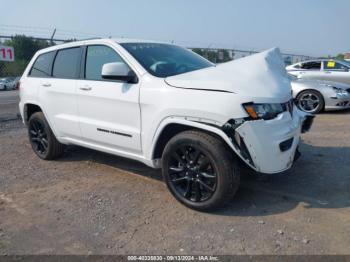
column 91, row 38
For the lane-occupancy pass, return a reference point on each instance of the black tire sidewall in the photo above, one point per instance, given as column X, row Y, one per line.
column 39, row 116
column 222, row 165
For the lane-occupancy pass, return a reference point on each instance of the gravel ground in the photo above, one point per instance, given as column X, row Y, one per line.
column 94, row 203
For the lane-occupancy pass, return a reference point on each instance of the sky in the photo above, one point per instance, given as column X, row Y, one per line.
column 307, row 27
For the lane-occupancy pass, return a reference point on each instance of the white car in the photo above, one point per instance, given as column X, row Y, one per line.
column 322, row 69
column 167, row 107
column 4, row 84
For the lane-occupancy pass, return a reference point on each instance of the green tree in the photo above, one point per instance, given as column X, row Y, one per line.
column 24, row 47
column 340, row 56
column 213, row 55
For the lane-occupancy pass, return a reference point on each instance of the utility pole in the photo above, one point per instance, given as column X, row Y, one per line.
column 53, row 34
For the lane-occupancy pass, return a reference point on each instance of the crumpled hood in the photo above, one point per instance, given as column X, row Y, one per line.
column 261, row 75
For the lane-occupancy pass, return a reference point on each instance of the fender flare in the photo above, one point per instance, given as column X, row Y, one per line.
column 194, row 123
column 26, row 103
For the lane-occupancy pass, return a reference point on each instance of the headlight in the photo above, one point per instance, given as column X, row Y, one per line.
column 340, row 91
column 264, row 111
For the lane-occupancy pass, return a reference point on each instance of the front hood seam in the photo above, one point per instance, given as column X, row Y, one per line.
column 201, row 89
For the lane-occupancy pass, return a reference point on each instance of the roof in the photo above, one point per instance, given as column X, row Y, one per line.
column 97, row 41
column 135, row 40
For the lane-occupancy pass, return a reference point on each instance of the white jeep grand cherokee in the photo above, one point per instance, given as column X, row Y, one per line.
column 167, row 107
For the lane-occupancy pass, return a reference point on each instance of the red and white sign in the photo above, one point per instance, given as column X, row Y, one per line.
column 7, row 53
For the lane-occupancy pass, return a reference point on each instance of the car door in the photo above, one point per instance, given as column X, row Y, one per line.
column 335, row 71
column 109, row 109
column 57, row 91
column 310, row 69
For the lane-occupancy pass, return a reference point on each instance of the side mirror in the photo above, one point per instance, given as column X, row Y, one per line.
column 119, row 71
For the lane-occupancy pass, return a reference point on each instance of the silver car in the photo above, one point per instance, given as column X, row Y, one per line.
column 9, row 83
column 13, row 82
column 4, row 84
column 322, row 69
column 313, row 96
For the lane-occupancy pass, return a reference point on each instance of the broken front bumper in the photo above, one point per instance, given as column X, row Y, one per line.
column 270, row 146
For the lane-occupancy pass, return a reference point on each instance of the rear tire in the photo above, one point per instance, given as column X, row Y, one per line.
column 42, row 139
column 199, row 170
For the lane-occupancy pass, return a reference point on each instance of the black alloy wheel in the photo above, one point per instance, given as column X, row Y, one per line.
column 38, row 137
column 42, row 139
column 192, row 174
column 199, row 170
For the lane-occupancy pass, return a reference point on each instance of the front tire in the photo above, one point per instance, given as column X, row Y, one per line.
column 42, row 139
column 199, row 170
column 310, row 101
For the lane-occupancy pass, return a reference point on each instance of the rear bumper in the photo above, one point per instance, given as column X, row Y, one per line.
column 272, row 144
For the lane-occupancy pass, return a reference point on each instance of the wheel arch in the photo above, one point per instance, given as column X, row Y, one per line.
column 308, row 89
column 29, row 109
column 171, row 127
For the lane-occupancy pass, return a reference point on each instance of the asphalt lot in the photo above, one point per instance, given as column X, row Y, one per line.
column 8, row 104
column 93, row 203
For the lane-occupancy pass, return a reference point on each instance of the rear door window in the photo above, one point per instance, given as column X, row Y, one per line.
column 42, row 65
column 334, row 66
column 66, row 63
column 315, row 65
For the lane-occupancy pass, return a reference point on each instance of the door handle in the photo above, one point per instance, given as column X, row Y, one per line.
column 46, row 84
column 85, row 88
column 328, row 72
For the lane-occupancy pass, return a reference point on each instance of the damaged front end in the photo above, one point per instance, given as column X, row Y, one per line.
column 265, row 125
column 269, row 145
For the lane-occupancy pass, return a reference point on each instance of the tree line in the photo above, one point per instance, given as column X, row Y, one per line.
column 25, row 47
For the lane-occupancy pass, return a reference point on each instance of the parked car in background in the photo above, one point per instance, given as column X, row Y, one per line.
column 313, row 96
column 4, row 84
column 13, row 83
column 322, row 69
column 9, row 83
column 167, row 107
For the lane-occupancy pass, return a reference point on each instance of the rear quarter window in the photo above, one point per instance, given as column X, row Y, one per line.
column 332, row 65
column 42, row 65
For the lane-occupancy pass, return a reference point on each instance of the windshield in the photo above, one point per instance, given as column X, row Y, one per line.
column 163, row 60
